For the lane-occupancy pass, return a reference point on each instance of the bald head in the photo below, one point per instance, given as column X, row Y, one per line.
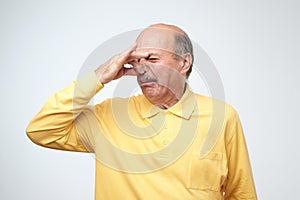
column 176, row 29
column 167, row 37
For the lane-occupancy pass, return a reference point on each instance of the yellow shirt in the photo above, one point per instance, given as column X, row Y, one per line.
column 194, row 150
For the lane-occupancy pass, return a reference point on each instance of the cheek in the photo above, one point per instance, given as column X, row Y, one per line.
column 165, row 69
column 168, row 76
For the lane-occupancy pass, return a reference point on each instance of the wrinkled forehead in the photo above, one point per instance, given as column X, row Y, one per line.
column 156, row 38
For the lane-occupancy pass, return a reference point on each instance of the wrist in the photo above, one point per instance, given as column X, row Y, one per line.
column 98, row 73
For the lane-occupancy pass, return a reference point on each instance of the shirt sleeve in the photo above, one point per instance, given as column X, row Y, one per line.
column 240, row 183
column 54, row 125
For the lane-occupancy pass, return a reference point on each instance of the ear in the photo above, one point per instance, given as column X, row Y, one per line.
column 186, row 63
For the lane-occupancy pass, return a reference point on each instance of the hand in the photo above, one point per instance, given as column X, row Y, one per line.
column 114, row 67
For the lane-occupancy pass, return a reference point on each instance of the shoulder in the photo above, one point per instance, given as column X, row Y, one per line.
column 215, row 106
column 222, row 115
column 120, row 102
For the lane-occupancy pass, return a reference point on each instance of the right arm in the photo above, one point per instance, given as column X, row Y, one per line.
column 55, row 125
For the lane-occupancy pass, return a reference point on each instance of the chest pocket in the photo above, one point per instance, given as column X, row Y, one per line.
column 208, row 173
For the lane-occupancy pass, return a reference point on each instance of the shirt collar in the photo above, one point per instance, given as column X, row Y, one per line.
column 183, row 108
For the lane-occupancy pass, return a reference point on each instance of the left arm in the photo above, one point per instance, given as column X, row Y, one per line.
column 240, row 183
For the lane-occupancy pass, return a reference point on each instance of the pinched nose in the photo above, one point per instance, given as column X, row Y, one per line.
column 141, row 69
column 140, row 61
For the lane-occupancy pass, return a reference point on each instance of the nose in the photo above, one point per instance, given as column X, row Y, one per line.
column 141, row 69
column 142, row 60
column 138, row 62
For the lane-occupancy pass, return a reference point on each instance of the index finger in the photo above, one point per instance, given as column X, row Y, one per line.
column 127, row 53
column 135, row 56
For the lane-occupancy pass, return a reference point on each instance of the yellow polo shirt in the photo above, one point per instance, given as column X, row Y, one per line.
column 194, row 150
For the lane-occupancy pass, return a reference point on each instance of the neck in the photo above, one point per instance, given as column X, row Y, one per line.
column 168, row 104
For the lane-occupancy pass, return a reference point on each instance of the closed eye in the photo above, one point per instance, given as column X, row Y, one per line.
column 152, row 58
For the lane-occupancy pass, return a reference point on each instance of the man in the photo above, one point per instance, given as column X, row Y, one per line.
column 168, row 143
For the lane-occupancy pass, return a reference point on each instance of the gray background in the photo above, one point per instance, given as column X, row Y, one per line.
column 254, row 45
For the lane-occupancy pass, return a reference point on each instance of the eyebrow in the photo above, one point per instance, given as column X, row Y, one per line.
column 151, row 54
column 154, row 54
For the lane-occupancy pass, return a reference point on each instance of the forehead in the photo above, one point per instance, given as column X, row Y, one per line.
column 156, row 39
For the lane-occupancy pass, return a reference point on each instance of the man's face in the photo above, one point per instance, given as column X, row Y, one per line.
column 159, row 75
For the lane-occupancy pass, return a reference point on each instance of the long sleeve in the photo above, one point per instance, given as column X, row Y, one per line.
column 54, row 126
column 240, row 183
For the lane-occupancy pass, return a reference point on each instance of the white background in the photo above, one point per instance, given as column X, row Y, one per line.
column 254, row 45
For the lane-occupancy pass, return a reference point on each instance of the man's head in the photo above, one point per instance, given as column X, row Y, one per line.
column 163, row 73
column 167, row 37
column 181, row 42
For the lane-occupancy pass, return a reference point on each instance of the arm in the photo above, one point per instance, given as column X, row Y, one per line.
column 240, row 183
column 56, row 125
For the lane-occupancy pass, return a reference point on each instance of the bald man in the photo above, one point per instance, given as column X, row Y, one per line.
column 162, row 144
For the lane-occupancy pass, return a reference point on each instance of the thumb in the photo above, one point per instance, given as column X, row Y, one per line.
column 130, row 72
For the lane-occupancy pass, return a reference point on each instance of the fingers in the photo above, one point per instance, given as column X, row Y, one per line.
column 133, row 60
column 136, row 56
column 131, row 56
column 130, row 72
column 127, row 54
column 114, row 67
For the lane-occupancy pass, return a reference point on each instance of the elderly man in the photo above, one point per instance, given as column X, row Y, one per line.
column 153, row 145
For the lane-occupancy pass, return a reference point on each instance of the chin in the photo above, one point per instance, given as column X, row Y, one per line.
column 152, row 92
